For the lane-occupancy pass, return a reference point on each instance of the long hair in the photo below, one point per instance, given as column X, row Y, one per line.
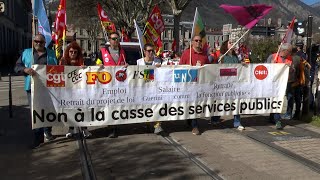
column 224, row 48
column 74, row 45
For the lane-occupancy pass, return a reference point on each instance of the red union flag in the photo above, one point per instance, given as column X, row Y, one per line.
column 287, row 37
column 105, row 21
column 247, row 16
column 154, row 26
column 60, row 27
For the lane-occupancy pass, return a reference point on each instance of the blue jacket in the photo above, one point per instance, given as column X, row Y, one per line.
column 27, row 57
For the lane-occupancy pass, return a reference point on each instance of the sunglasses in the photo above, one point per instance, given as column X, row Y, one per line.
column 198, row 40
column 38, row 42
column 150, row 50
column 115, row 39
column 73, row 52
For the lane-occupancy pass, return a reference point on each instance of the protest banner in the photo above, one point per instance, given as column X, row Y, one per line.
column 93, row 96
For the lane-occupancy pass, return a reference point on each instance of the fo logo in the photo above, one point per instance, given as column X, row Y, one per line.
column 121, row 75
column 55, row 76
column 261, row 72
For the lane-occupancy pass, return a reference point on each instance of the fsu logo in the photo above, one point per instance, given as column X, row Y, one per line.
column 55, row 76
column 121, row 75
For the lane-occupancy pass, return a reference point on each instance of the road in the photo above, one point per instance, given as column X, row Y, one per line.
column 221, row 152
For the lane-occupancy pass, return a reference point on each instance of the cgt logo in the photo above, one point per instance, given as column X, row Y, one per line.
column 102, row 77
column 261, row 72
column 55, row 76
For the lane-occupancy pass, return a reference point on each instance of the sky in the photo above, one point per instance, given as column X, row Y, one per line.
column 309, row 2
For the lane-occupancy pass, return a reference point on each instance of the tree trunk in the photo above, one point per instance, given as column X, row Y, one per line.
column 176, row 28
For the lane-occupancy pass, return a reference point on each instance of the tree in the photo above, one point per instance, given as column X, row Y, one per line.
column 177, row 7
column 260, row 50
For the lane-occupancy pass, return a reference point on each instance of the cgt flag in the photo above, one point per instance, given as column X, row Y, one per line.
column 153, row 29
column 105, row 21
column 288, row 36
column 60, row 27
column 247, row 16
column 198, row 29
column 43, row 23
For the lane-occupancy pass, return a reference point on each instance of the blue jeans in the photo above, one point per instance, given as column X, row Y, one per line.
column 38, row 132
column 236, row 120
column 193, row 123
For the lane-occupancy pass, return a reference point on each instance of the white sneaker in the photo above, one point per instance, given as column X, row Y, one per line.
column 86, row 133
column 240, row 128
column 70, row 133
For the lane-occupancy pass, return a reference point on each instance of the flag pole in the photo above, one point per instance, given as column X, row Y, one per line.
column 233, row 45
column 33, row 30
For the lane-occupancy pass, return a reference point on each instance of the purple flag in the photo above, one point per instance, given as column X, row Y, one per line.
column 247, row 16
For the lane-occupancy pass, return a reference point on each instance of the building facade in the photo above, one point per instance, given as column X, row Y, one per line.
column 15, row 30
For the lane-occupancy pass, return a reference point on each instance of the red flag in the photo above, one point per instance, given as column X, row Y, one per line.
column 287, row 37
column 159, row 47
column 247, row 16
column 154, row 27
column 105, row 21
column 125, row 37
column 174, row 45
column 60, row 27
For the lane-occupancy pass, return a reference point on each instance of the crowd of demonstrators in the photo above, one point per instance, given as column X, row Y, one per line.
column 230, row 58
column 73, row 57
column 112, row 55
column 36, row 55
column 150, row 59
column 198, row 58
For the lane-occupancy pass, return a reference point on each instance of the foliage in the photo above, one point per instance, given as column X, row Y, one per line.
column 262, row 48
column 316, row 121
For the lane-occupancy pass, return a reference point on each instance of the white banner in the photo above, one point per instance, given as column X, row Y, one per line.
column 93, row 96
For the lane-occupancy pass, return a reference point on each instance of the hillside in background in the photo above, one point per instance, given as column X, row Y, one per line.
column 214, row 16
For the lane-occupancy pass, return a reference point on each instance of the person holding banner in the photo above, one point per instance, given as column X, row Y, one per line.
column 284, row 56
column 230, row 58
column 113, row 55
column 73, row 57
column 150, row 60
column 36, row 55
column 194, row 56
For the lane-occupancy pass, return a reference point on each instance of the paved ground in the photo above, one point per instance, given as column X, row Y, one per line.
column 256, row 153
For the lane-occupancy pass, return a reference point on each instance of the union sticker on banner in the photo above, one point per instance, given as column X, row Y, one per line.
column 185, row 75
column 55, row 76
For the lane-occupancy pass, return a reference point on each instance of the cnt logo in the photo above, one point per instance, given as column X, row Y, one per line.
column 55, row 76
column 261, row 72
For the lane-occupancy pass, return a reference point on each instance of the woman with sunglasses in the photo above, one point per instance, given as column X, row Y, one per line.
column 150, row 60
column 73, row 57
column 230, row 58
